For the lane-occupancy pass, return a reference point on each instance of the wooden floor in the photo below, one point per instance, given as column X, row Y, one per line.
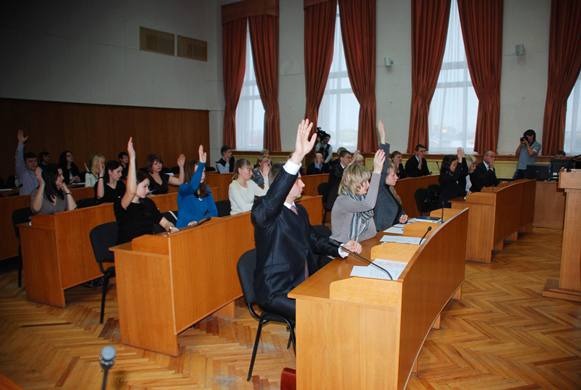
column 503, row 334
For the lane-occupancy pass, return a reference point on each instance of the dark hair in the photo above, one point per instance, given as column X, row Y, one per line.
column 41, row 155
column 345, row 152
column 141, row 175
column 63, row 158
column 530, row 132
column 395, row 153
column 189, row 170
column 122, row 154
column 110, row 165
column 224, row 149
column 151, row 159
column 446, row 162
column 420, row 146
column 49, row 175
column 28, row 155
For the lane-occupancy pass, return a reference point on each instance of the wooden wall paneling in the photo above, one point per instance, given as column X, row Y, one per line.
column 312, row 183
column 549, row 205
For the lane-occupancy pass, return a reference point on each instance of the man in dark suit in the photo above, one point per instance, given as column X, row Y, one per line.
column 287, row 246
column 336, row 169
column 417, row 165
column 484, row 175
column 318, row 165
column 226, row 163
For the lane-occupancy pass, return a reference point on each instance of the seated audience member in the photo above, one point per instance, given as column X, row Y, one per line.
column 450, row 184
column 388, row 208
column 242, row 190
column 484, row 175
column 124, row 161
column 318, row 165
column 195, row 200
column 463, row 168
column 110, row 187
column 136, row 214
column 560, row 155
column 26, row 164
column 324, row 147
column 257, row 176
column 352, row 214
column 527, row 151
column 336, row 169
column 396, row 161
column 92, row 174
column 70, row 170
column 43, row 159
column 287, row 246
column 358, row 158
column 52, row 195
column 417, row 165
column 471, row 163
column 159, row 181
column 226, row 163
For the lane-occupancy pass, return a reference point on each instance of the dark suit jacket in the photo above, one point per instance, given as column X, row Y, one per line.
column 463, row 172
column 450, row 186
column 387, row 208
column 411, row 167
column 401, row 171
column 313, row 170
column 284, row 242
column 335, row 177
column 482, row 177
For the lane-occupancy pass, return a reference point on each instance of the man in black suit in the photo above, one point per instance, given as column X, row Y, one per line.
column 336, row 169
column 417, row 165
column 287, row 246
column 484, row 175
column 318, row 165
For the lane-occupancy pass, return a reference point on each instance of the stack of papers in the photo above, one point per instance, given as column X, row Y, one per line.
column 401, row 240
column 412, row 220
column 394, row 230
column 395, row 268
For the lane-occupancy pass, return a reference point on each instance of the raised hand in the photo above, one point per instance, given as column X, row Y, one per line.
column 181, row 160
column 378, row 161
column 403, row 218
column 130, row 149
column 101, row 168
column 201, row 154
column 20, row 135
column 265, row 167
column 460, row 153
column 38, row 174
column 381, row 132
column 303, row 144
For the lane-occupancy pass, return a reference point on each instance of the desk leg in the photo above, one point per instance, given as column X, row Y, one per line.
column 499, row 246
column 228, row 311
column 552, row 290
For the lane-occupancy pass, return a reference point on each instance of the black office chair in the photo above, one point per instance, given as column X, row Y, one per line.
column 102, row 238
column 323, row 190
column 86, row 202
column 223, row 207
column 421, row 200
column 433, row 197
column 246, row 267
column 20, row 216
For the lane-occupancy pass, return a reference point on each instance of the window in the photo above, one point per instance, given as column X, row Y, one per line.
column 339, row 110
column 250, row 111
column 454, row 107
column 573, row 121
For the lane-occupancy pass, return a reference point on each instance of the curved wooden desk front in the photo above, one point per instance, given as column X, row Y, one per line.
column 356, row 333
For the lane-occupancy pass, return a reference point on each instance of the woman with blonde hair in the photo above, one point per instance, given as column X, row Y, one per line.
column 243, row 189
column 352, row 213
column 92, row 175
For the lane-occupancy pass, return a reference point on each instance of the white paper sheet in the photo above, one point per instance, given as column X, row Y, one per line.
column 394, row 230
column 395, row 268
column 401, row 240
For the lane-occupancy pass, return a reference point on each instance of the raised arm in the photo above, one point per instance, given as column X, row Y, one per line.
column 100, row 193
column 194, row 184
column 370, row 199
column 383, row 145
column 176, row 181
column 70, row 200
column 131, row 188
column 36, row 202
column 19, row 157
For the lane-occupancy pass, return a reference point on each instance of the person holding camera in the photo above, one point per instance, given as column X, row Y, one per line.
column 323, row 146
column 527, row 152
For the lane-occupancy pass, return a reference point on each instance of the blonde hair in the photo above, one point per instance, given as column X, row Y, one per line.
column 95, row 160
column 353, row 176
column 391, row 167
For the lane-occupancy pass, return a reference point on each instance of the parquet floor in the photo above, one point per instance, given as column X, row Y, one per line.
column 502, row 335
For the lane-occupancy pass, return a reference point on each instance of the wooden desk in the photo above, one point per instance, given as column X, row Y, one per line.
column 406, row 189
column 8, row 204
column 496, row 214
column 569, row 284
column 167, row 282
column 220, row 181
column 312, row 183
column 549, row 205
column 356, row 333
column 57, row 252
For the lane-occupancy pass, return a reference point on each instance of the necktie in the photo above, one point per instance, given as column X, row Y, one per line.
column 294, row 209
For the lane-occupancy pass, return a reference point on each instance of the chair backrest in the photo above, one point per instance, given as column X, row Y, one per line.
column 246, row 267
column 20, row 216
column 433, row 197
column 86, row 202
column 103, row 237
column 420, row 197
column 223, row 207
column 323, row 189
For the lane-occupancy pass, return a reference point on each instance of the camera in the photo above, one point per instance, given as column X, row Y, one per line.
column 523, row 139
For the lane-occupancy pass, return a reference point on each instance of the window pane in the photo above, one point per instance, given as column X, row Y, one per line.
column 454, row 107
column 250, row 112
column 339, row 110
column 573, row 121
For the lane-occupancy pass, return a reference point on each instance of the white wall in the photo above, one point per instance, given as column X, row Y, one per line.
column 87, row 51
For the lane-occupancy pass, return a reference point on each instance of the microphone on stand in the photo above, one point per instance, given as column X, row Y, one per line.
column 425, row 234
column 359, row 257
column 107, row 360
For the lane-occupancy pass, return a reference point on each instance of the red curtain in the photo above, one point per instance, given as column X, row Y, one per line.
column 429, row 29
column 564, row 66
column 481, row 23
column 234, row 57
column 319, row 34
column 358, row 30
column 264, row 38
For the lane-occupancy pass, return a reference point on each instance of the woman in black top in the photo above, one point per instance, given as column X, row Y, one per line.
column 450, row 180
column 136, row 214
column 70, row 170
column 109, row 187
column 396, row 161
column 159, row 181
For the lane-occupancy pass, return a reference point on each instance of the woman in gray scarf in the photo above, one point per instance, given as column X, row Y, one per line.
column 352, row 214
